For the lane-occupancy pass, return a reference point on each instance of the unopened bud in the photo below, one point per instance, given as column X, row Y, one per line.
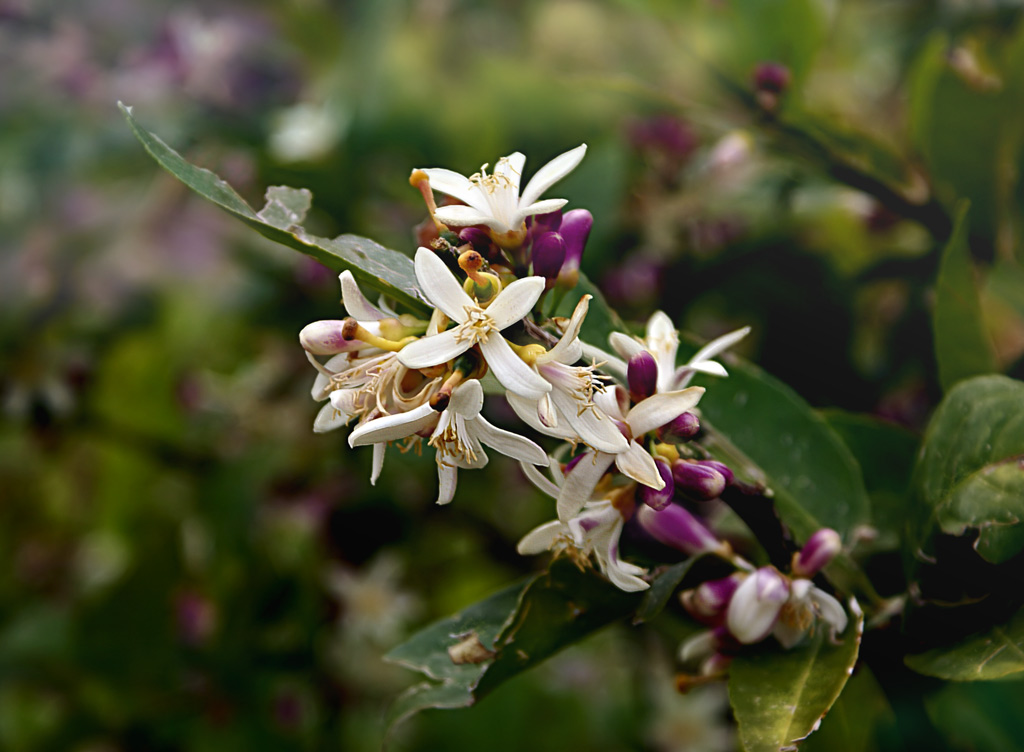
column 327, row 338
column 698, row 480
column 575, row 229
column 541, row 223
column 722, row 468
column 708, row 602
column 548, row 255
column 819, row 550
column 659, row 499
column 676, row 527
column 683, row 428
column 476, row 237
column 642, row 376
column 772, row 77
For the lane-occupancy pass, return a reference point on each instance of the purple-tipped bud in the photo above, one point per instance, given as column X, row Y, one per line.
column 327, row 338
column 575, row 229
column 548, row 255
column 707, row 603
column 819, row 550
column 676, row 527
column 642, row 376
column 722, row 468
column 658, row 500
column 772, row 77
column 541, row 223
column 476, row 237
column 683, row 428
column 756, row 604
column 697, row 480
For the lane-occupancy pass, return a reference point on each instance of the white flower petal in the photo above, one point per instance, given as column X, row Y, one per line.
column 623, row 579
column 457, row 186
column 638, row 464
column 440, row 286
column 830, row 609
column 540, row 539
column 551, row 173
column 392, row 427
column 356, row 304
column 447, row 478
column 510, row 168
column 609, row 363
column 431, row 351
column 755, row 606
column 546, row 206
column 659, row 409
column 378, row 461
column 508, row 443
column 538, row 479
column 625, row 345
column 510, row 369
column 328, row 419
column 467, row 399
column 529, row 412
column 579, row 483
column 515, row 301
column 715, row 346
column 467, row 216
column 568, row 349
column 595, row 430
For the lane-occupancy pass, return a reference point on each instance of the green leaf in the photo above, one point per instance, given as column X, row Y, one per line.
column 855, row 721
column 814, row 477
column 377, row 267
column 504, row 635
column 661, row 590
column 779, row 696
column 984, row 717
column 970, row 472
column 994, row 654
column 886, row 454
column 962, row 345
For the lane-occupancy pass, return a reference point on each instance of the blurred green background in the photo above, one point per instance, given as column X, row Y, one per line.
column 184, row 565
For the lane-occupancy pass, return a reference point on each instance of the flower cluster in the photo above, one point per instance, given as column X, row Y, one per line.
column 627, row 420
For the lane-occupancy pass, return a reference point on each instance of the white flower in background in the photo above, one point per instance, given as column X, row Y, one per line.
column 634, row 461
column 568, row 410
column 661, row 340
column 494, row 201
column 767, row 602
column 458, row 435
column 596, row 530
column 477, row 325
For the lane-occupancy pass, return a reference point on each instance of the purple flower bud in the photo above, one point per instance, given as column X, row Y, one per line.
column 541, row 223
column 683, row 428
column 697, row 479
column 676, row 527
column 772, row 77
column 575, row 229
column 819, row 550
column 721, row 468
column 756, row 604
column 658, row 500
column 707, row 603
column 642, row 375
column 476, row 237
column 548, row 255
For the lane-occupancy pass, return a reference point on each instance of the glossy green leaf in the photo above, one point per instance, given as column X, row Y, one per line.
column 470, row 654
column 657, row 596
column 886, row 454
column 984, row 717
column 779, row 696
column 855, row 721
column 962, row 345
column 970, row 472
column 994, row 654
column 377, row 267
